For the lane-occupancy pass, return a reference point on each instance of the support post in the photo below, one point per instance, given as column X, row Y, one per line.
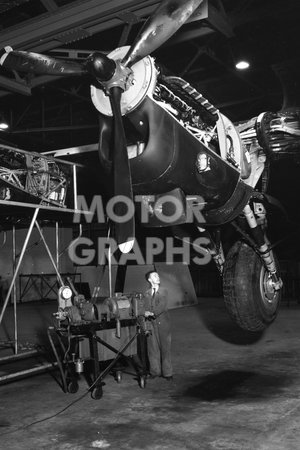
column 109, row 271
column 57, row 247
column 49, row 254
column 19, row 263
column 15, row 290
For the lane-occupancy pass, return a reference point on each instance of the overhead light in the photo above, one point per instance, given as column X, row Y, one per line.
column 3, row 123
column 3, row 126
column 242, row 65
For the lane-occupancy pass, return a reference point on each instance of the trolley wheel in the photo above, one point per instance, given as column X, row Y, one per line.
column 97, row 393
column 142, row 382
column 119, row 376
column 72, row 387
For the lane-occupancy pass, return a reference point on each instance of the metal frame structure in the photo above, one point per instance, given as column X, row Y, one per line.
column 46, row 285
column 83, row 19
column 74, row 334
column 37, row 209
column 17, row 264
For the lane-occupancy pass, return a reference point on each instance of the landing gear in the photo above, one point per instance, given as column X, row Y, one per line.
column 251, row 296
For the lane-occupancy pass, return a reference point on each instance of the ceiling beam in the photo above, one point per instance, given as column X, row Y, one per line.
column 58, row 128
column 261, row 13
column 25, row 89
column 91, row 16
column 71, row 53
column 219, row 21
column 14, row 86
column 214, row 16
column 74, row 22
column 43, row 79
column 74, row 94
column 6, row 5
column 79, row 20
column 189, row 35
column 240, row 101
column 242, row 6
column 209, row 52
column 197, row 54
column 50, row 5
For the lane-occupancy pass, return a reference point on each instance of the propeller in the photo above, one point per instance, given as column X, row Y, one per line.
column 115, row 78
column 96, row 64
column 164, row 22
column 125, row 231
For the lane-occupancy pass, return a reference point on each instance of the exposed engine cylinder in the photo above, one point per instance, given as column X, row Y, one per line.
column 118, row 307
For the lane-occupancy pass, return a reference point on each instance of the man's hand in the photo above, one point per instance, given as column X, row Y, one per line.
column 149, row 315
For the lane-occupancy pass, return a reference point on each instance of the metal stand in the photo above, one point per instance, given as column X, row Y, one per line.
column 43, row 283
column 12, row 284
column 69, row 359
column 16, row 268
column 41, row 367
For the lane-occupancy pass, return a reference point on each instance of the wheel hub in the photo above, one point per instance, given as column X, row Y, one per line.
column 268, row 288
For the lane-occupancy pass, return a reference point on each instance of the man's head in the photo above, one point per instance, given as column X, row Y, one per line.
column 153, row 278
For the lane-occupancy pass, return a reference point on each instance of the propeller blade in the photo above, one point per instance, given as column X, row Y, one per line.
column 30, row 62
column 125, row 231
column 164, row 22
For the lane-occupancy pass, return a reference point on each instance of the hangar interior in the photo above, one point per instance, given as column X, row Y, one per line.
column 233, row 388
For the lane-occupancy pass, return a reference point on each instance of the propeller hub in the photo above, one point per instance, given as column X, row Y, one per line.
column 122, row 78
column 136, row 82
column 100, row 66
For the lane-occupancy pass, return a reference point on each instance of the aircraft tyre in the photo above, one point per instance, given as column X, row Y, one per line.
column 249, row 296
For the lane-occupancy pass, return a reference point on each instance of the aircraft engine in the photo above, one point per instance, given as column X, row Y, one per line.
column 80, row 310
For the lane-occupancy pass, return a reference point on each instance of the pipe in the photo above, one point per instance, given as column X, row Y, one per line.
column 14, row 289
column 12, row 358
column 40, row 368
column 49, row 254
column 109, row 271
column 75, row 186
column 57, row 245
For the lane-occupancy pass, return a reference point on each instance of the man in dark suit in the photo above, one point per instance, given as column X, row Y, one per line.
column 159, row 326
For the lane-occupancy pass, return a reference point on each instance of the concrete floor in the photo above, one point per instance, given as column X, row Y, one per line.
column 232, row 390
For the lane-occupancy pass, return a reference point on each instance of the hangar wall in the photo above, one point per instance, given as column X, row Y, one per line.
column 36, row 259
column 176, row 277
